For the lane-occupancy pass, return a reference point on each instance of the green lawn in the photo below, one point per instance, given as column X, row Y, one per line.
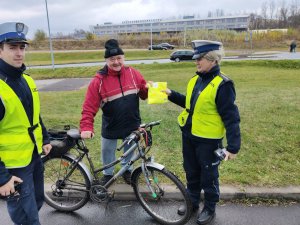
column 44, row 58
column 268, row 97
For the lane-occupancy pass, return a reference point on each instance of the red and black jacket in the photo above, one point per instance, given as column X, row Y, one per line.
column 117, row 94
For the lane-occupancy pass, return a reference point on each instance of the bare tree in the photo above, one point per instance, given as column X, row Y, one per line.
column 252, row 22
column 271, row 16
column 294, row 18
column 271, row 8
column 294, row 8
column 283, row 15
column 264, row 13
column 256, row 22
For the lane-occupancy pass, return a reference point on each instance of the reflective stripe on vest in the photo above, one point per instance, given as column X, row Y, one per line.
column 206, row 121
column 16, row 145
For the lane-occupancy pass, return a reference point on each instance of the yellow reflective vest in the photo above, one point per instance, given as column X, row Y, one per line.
column 16, row 145
column 206, row 121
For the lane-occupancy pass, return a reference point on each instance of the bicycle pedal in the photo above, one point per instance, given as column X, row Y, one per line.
column 111, row 194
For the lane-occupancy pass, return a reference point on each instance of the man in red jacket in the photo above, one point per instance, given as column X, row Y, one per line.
column 115, row 89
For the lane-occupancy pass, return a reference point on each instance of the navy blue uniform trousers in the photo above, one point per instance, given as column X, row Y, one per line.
column 201, row 167
column 24, row 209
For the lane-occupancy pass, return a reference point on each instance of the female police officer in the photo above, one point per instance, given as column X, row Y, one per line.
column 209, row 111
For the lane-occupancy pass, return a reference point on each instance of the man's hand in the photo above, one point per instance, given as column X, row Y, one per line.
column 86, row 134
column 47, row 148
column 149, row 83
column 9, row 187
column 229, row 155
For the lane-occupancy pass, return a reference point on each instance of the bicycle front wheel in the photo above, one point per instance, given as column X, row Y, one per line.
column 65, row 190
column 163, row 196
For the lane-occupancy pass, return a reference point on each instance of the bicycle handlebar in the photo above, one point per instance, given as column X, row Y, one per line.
column 151, row 124
column 135, row 135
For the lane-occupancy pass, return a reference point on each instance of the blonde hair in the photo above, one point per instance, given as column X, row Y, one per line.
column 215, row 55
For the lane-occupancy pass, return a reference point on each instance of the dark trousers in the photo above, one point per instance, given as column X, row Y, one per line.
column 201, row 167
column 24, row 209
column 292, row 48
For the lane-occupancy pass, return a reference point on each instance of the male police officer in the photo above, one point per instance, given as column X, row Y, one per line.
column 22, row 133
column 209, row 111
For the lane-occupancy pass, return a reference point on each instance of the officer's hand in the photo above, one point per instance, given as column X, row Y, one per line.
column 47, row 148
column 9, row 187
column 86, row 134
column 229, row 155
column 167, row 91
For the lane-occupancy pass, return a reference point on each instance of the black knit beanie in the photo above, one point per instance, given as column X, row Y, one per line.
column 112, row 48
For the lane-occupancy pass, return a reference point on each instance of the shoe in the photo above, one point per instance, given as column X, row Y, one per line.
column 127, row 177
column 181, row 210
column 103, row 180
column 206, row 216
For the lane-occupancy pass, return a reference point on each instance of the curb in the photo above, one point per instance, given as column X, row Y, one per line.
column 290, row 192
column 125, row 192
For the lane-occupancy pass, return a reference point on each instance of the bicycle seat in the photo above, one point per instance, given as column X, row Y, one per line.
column 74, row 133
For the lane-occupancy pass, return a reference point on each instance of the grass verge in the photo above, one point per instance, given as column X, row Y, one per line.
column 268, row 99
column 44, row 58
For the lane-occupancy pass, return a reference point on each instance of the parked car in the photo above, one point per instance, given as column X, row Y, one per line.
column 162, row 46
column 157, row 47
column 180, row 55
column 167, row 45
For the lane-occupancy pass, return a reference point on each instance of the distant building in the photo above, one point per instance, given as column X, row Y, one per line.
column 238, row 23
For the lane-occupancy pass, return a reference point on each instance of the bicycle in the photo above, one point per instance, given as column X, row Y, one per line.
column 69, row 184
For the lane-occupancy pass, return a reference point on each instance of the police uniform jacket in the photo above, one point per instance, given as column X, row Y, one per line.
column 226, row 108
column 13, row 77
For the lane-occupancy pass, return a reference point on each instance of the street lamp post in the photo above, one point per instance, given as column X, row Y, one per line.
column 50, row 40
column 184, row 36
column 151, row 38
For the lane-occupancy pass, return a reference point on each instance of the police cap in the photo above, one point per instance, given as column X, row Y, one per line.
column 201, row 47
column 13, row 32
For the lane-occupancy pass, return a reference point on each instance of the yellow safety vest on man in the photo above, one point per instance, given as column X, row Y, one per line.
column 206, row 121
column 17, row 136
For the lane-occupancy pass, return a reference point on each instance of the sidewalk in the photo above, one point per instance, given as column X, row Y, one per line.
column 67, row 84
column 125, row 192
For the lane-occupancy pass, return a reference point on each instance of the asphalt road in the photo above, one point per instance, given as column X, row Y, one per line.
column 68, row 84
column 131, row 213
column 256, row 56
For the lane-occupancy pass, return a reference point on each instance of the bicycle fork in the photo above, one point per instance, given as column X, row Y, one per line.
column 147, row 174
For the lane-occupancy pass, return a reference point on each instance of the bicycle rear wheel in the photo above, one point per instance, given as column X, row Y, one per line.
column 167, row 196
column 65, row 194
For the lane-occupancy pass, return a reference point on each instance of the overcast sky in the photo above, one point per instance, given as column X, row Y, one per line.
column 67, row 15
